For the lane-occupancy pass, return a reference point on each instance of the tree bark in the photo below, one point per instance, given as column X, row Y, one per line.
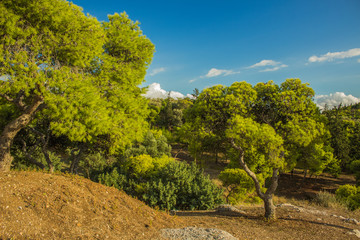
column 75, row 162
column 11, row 129
column 269, row 208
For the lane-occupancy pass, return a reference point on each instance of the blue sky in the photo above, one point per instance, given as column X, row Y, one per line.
column 203, row 43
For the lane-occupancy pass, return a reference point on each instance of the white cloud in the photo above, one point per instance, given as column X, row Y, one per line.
column 330, row 56
column 155, row 91
column 217, row 72
column 263, row 63
column 157, row 71
column 334, row 99
column 274, row 68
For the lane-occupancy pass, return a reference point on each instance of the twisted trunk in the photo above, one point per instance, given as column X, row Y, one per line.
column 267, row 197
column 11, row 129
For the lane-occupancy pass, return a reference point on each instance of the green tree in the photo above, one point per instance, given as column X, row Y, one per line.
column 260, row 153
column 82, row 73
column 344, row 125
column 260, row 126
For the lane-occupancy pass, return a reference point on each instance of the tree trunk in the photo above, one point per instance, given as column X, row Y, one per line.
column 48, row 160
column 269, row 208
column 10, row 131
column 268, row 195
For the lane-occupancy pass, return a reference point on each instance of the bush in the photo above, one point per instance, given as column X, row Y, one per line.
column 194, row 190
column 349, row 195
column 154, row 144
column 164, row 183
column 326, row 199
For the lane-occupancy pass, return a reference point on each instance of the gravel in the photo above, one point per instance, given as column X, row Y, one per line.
column 194, row 233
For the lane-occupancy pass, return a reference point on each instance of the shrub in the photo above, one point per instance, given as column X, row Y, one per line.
column 345, row 191
column 349, row 195
column 154, row 144
column 164, row 183
column 326, row 199
column 193, row 190
column 94, row 163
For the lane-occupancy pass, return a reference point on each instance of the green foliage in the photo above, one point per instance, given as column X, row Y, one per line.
column 350, row 195
column 239, row 185
column 94, row 163
column 261, row 145
column 334, row 167
column 207, row 119
column 113, row 179
column 21, row 161
column 168, row 113
column 154, row 144
column 355, row 168
column 343, row 123
column 80, row 74
column 164, row 183
column 160, row 195
column 264, row 128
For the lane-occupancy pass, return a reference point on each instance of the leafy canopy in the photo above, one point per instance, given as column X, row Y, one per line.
column 85, row 72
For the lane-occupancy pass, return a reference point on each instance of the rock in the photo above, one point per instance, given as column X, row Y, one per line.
column 226, row 208
column 194, row 233
column 355, row 232
column 351, row 220
column 298, row 209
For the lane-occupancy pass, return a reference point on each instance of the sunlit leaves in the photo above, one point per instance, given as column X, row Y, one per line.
column 86, row 71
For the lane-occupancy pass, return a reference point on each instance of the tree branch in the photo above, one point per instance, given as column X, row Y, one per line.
column 29, row 157
column 6, row 97
column 18, row 101
column 248, row 171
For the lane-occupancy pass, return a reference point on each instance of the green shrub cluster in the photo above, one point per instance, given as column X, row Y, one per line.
column 154, row 144
column 350, row 195
column 163, row 183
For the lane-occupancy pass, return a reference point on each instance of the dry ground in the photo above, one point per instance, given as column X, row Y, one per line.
column 35, row 205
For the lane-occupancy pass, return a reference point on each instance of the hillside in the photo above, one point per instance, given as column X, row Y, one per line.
column 42, row 206
column 35, row 205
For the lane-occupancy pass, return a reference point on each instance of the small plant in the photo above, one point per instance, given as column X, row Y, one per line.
column 326, row 199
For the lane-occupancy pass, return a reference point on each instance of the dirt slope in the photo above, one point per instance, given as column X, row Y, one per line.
column 37, row 205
